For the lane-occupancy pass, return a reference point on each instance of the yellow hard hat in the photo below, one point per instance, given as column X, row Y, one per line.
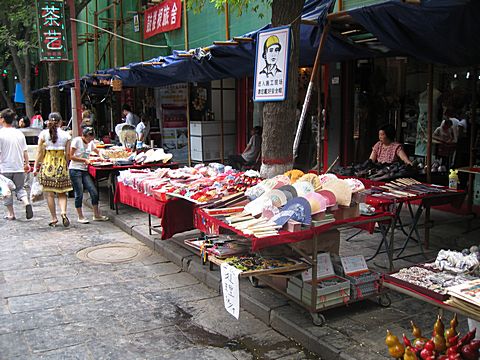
column 272, row 40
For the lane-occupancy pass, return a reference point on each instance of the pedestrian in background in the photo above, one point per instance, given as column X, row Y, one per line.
column 130, row 118
column 142, row 130
column 80, row 150
column 53, row 151
column 14, row 162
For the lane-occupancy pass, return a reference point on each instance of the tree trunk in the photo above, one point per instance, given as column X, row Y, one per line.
column 6, row 98
column 54, row 91
column 24, row 76
column 279, row 117
column 27, row 87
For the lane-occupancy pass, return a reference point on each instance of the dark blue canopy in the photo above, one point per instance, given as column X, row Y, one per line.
column 438, row 31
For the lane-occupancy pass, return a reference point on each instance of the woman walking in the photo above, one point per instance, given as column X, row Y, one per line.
column 53, row 150
column 80, row 149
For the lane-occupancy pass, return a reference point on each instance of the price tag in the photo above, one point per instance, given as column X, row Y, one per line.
column 354, row 264
column 231, row 289
column 324, row 268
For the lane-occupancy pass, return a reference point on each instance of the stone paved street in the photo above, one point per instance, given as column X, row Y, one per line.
column 55, row 306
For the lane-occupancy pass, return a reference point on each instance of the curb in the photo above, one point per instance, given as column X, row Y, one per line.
column 267, row 305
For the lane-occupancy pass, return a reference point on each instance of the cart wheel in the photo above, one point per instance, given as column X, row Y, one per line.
column 384, row 300
column 253, row 281
column 318, row 319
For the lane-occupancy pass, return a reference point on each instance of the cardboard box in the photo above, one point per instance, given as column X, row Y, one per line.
column 347, row 212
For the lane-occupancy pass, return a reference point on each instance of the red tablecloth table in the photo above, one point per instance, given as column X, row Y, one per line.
column 111, row 172
column 176, row 214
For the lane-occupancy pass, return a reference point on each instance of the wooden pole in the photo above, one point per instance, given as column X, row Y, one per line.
column 185, row 25
column 308, row 95
column 222, row 140
column 429, row 122
column 227, row 21
column 76, row 109
column 319, row 122
column 115, row 63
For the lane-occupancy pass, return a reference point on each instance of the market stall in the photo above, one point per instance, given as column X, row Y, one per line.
column 298, row 218
column 173, row 194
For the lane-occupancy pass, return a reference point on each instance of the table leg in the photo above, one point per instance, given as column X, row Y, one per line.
column 413, row 229
column 150, row 224
column 427, row 228
column 313, row 302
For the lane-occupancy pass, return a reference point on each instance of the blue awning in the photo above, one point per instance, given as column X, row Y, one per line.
column 438, row 31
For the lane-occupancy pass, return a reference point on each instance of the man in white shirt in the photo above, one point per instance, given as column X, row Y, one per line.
column 142, row 130
column 14, row 162
column 130, row 118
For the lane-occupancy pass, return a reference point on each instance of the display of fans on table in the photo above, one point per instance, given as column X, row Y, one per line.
column 200, row 184
column 118, row 155
column 290, row 201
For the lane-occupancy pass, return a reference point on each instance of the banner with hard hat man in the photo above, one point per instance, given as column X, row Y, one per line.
column 271, row 66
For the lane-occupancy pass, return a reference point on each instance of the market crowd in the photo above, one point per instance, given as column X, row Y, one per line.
column 61, row 166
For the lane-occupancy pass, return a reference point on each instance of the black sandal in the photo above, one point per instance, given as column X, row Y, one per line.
column 65, row 221
column 53, row 223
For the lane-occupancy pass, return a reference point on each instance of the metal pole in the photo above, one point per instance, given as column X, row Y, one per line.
column 429, row 122
column 473, row 137
column 76, row 110
column 185, row 24
column 227, row 31
column 222, row 141
column 308, row 95
column 115, row 32
column 319, row 121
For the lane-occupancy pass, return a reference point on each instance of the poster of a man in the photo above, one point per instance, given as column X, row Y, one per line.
column 271, row 67
column 271, row 52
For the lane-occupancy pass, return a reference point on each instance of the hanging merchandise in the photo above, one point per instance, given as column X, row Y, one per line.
column 453, row 179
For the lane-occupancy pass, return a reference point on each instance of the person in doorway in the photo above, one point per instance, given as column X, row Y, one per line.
column 444, row 134
column 54, row 146
column 142, row 130
column 387, row 150
column 130, row 118
column 14, row 162
column 80, row 149
column 271, row 52
column 251, row 153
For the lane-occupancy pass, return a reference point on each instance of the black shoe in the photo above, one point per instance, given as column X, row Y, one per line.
column 65, row 220
column 29, row 211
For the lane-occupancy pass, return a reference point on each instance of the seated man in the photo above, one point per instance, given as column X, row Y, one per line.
column 251, row 152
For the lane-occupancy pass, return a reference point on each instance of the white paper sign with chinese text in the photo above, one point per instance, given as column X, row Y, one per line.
column 231, row 289
column 354, row 264
column 324, row 268
column 271, row 65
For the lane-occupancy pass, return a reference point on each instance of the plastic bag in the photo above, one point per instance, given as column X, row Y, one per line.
column 6, row 187
column 36, row 193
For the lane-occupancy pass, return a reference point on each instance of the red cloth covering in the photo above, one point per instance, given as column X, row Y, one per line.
column 210, row 224
column 176, row 214
column 104, row 171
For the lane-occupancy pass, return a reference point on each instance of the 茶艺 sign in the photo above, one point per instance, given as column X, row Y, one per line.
column 271, row 64
column 51, row 30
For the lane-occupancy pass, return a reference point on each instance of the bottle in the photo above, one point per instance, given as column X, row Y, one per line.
column 453, row 179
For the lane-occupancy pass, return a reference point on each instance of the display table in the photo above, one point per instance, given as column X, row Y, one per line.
column 313, row 236
column 424, row 201
column 176, row 214
column 440, row 304
column 111, row 172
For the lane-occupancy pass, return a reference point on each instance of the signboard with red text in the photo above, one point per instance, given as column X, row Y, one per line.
column 162, row 18
column 51, row 30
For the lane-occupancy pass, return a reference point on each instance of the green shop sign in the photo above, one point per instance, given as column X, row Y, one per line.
column 51, row 30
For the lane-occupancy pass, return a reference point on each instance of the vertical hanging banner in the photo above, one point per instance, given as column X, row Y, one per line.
column 271, row 64
column 162, row 18
column 51, row 30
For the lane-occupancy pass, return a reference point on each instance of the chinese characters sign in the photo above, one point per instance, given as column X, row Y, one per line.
column 271, row 65
column 162, row 17
column 231, row 289
column 51, row 30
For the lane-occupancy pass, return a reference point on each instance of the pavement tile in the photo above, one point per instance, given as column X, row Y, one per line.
column 57, row 260
column 12, row 345
column 39, row 273
column 47, row 300
column 200, row 353
column 145, row 271
column 13, row 263
column 31, row 320
column 109, row 349
column 183, row 294
column 81, row 281
column 76, row 352
column 19, row 288
column 58, row 337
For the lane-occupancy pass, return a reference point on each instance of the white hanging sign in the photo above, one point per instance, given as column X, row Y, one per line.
column 231, row 289
column 271, row 65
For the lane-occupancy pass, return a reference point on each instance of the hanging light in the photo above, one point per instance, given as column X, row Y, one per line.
column 468, row 75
